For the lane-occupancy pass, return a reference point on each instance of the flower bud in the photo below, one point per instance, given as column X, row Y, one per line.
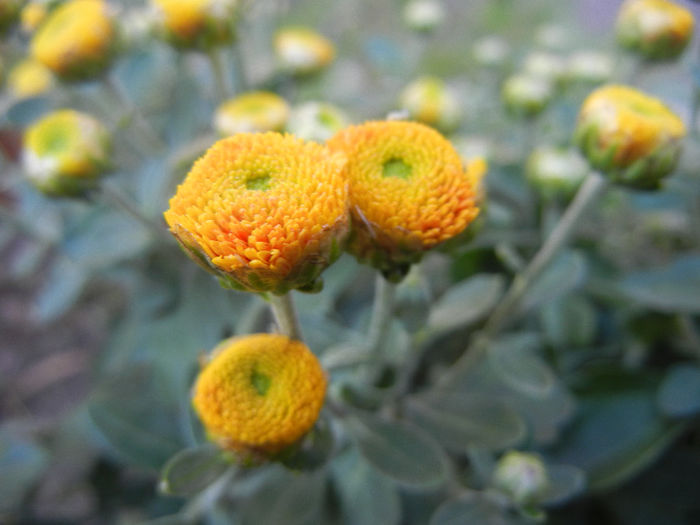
column 137, row 25
column 521, row 476
column 264, row 212
column 408, row 192
column 556, row 171
column 77, row 40
column 32, row 15
column 656, row 29
column 259, row 394
column 546, row 65
column 423, row 15
column 251, row 112
column 526, row 95
column 631, row 137
column 317, row 121
column 552, row 36
column 429, row 101
column 29, row 78
column 302, row 51
column 589, row 67
column 196, row 24
column 65, row 152
column 491, row 51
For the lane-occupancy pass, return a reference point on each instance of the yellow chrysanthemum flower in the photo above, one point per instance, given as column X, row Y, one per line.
column 429, row 101
column 408, row 191
column 32, row 15
column 266, row 212
column 260, row 393
column 77, row 40
column 301, row 51
column 197, row 23
column 65, row 152
column 656, row 29
column 29, row 78
column 251, row 112
column 632, row 137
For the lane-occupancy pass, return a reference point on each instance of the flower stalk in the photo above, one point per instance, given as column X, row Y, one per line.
column 285, row 315
column 382, row 311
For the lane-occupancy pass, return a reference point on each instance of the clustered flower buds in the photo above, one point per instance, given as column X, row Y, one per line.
column 251, row 112
column 631, row 137
column 259, row 394
column 656, row 29
column 65, row 152
column 429, row 101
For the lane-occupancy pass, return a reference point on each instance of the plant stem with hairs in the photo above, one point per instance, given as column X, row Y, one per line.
column 285, row 315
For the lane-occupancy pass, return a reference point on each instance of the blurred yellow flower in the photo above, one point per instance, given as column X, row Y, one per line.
column 33, row 14
column 197, row 23
column 251, row 112
column 29, row 78
column 265, row 212
column 408, row 191
column 259, row 393
column 632, row 137
column 301, row 50
column 429, row 101
column 65, row 152
column 656, row 29
column 77, row 39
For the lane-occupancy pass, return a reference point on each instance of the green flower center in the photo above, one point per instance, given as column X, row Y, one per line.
column 396, row 168
column 260, row 382
column 54, row 140
column 258, row 183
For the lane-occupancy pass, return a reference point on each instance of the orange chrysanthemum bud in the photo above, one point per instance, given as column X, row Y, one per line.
column 408, row 192
column 631, row 137
column 656, row 29
column 77, row 40
column 265, row 212
column 260, row 393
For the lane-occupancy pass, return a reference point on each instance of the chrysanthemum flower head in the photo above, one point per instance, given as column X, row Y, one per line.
column 526, row 95
column 259, row 393
column 631, row 137
column 656, row 29
column 65, row 152
column 265, row 212
column 197, row 23
column 77, row 40
column 429, row 101
column 301, row 50
column 251, row 112
column 29, row 78
column 317, row 121
column 409, row 192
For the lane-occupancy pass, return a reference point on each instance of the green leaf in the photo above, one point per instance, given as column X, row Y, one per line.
column 460, row 421
column 679, row 394
column 192, row 470
column 514, row 361
column 366, row 496
column 21, row 464
column 61, row 289
column 314, row 451
column 399, row 450
column 570, row 321
column 467, row 302
column 565, row 482
column 672, row 288
column 565, row 273
column 474, row 508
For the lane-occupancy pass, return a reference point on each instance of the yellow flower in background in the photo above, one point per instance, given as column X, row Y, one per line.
column 632, row 137
column 77, row 40
column 32, row 15
column 409, row 192
column 259, row 393
column 65, row 152
column 251, row 112
column 656, row 29
column 300, row 50
column 429, row 101
column 197, row 23
column 29, row 78
column 265, row 212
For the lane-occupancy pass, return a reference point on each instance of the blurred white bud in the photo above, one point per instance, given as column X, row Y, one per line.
column 491, row 51
column 423, row 15
column 521, row 476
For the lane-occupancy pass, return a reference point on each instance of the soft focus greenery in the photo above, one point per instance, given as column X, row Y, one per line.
column 596, row 375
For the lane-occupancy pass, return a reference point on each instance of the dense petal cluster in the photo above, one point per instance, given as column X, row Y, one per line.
column 197, row 23
column 251, row 112
column 632, row 137
column 260, row 393
column 408, row 191
column 65, row 152
column 267, row 212
column 302, row 51
column 77, row 40
column 656, row 29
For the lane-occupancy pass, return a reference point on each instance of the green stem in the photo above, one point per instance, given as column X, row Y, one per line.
column 285, row 315
column 504, row 312
column 218, row 68
column 382, row 311
column 112, row 196
column 240, row 68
